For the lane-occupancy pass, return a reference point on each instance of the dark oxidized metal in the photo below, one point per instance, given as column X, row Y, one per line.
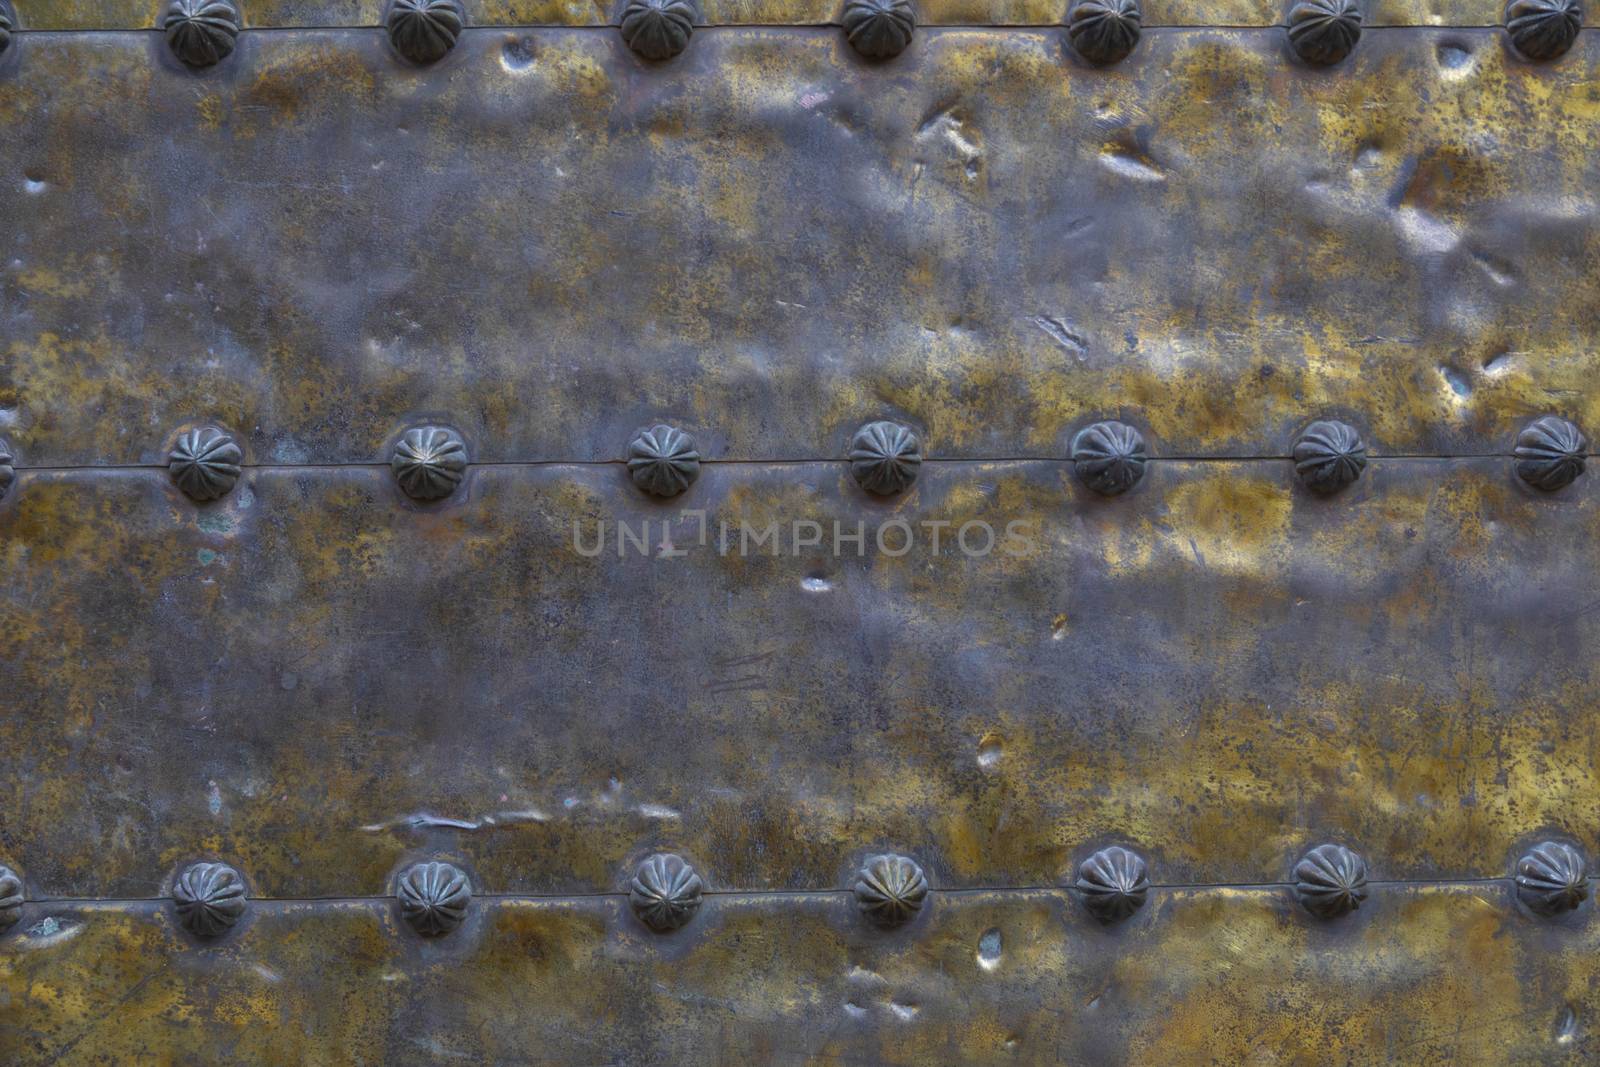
column 879, row 29
column 1323, row 32
column 1329, row 456
column 8, row 23
column 209, row 899
column 1543, row 30
column 658, row 29
column 1109, row 457
column 1550, row 453
column 433, row 897
column 890, row 890
column 204, row 463
column 885, row 457
column 202, row 33
column 424, row 31
column 1330, row 881
column 1552, row 878
column 1113, row 883
column 1104, row 31
column 663, row 461
column 665, row 892
column 10, row 898
column 8, row 470
column 429, row 462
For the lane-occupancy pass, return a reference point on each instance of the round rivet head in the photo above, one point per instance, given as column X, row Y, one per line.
column 890, row 890
column 1329, row 456
column 1323, row 32
column 202, row 33
column 662, row 461
column 429, row 462
column 1542, row 30
column 10, row 898
column 885, row 457
column 209, row 898
column 1114, row 883
column 1109, row 457
column 204, row 463
column 8, row 470
column 658, row 29
column 878, row 29
column 1550, row 453
column 8, row 22
column 1330, row 881
column 424, row 31
column 1552, row 878
column 433, row 897
column 1104, row 31
column 665, row 892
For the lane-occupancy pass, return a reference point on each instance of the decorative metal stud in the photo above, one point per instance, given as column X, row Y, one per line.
column 204, row 463
column 662, row 461
column 1550, row 453
column 658, row 29
column 665, row 892
column 1114, row 883
column 429, row 462
column 1323, row 32
column 209, row 898
column 8, row 472
column 1542, row 30
column 1329, row 456
column 433, row 897
column 885, row 457
column 1330, row 881
column 1552, row 878
column 878, row 29
column 8, row 23
column 890, row 890
column 1109, row 457
column 202, row 33
column 1104, row 31
column 424, row 31
column 10, row 898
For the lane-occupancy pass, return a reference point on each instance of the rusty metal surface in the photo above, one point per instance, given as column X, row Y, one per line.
column 767, row 240
column 1441, row 976
column 1218, row 666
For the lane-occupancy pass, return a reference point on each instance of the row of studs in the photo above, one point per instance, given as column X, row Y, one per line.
column 1330, row 881
column 885, row 457
column 202, row 33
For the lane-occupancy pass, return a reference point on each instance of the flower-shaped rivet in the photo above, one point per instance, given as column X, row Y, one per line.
column 8, row 472
column 1552, row 878
column 1543, row 29
column 204, row 463
column 658, row 29
column 1104, row 31
column 665, row 892
column 429, row 462
column 1328, row 456
column 1550, row 453
column 1322, row 32
column 433, row 897
column 1114, row 883
column 8, row 22
column 201, row 32
column 885, row 457
column 1330, row 881
column 662, row 461
column 1109, row 457
column 424, row 31
column 210, row 899
column 10, row 898
column 890, row 890
column 878, row 29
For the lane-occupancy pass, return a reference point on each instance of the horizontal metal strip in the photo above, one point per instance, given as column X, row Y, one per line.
column 768, row 242
column 518, row 14
column 314, row 678
column 1420, row 977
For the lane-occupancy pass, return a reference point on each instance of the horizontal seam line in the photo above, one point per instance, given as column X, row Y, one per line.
column 593, row 26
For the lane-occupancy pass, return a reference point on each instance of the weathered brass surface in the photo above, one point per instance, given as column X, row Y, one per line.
column 770, row 241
